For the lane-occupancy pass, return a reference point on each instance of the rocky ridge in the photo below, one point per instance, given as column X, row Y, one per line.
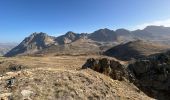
column 101, row 40
column 151, row 74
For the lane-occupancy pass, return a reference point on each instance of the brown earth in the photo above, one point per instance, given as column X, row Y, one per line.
column 61, row 78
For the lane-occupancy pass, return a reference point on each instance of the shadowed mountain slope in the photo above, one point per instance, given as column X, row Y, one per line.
column 136, row 49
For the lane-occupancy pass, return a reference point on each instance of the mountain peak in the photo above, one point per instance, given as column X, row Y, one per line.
column 122, row 31
column 39, row 34
column 104, row 30
column 103, row 35
column 153, row 27
column 32, row 44
column 70, row 34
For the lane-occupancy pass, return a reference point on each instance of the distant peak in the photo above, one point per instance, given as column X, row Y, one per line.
column 70, row 33
column 153, row 26
column 122, row 29
column 40, row 33
column 104, row 29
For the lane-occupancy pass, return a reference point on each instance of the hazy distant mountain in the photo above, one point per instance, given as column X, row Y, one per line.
column 158, row 30
column 136, row 49
column 5, row 47
column 160, row 33
column 124, row 35
column 97, row 41
column 154, row 33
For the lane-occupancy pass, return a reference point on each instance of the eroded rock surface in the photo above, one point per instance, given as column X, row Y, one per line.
column 152, row 75
column 108, row 67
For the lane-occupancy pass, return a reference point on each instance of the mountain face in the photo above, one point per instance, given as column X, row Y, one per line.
column 69, row 37
column 124, row 35
column 152, row 75
column 32, row 44
column 95, row 42
column 158, row 30
column 156, row 33
column 69, row 43
column 103, row 35
column 136, row 49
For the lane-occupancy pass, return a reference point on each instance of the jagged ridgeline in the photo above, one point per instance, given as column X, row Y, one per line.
column 70, row 43
column 87, row 43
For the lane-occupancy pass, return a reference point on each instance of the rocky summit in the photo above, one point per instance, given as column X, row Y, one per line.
column 32, row 44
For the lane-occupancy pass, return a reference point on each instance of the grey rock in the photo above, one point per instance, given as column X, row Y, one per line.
column 153, row 74
column 108, row 67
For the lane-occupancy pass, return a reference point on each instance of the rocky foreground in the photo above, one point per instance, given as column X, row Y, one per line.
column 61, row 78
column 85, row 78
column 151, row 75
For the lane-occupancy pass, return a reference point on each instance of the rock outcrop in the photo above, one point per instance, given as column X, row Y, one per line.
column 63, row 84
column 152, row 75
column 108, row 67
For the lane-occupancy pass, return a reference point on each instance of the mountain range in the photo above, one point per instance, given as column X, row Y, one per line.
column 87, row 43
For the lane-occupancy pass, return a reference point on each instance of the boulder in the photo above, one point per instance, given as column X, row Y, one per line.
column 108, row 67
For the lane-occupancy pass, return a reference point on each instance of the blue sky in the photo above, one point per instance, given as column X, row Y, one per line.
column 19, row 18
